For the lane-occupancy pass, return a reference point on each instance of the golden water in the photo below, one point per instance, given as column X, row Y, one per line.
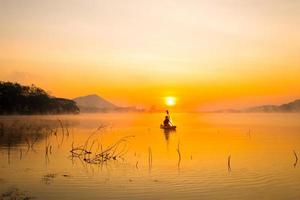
column 222, row 156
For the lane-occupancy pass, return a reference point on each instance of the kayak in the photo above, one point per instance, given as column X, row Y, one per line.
column 168, row 127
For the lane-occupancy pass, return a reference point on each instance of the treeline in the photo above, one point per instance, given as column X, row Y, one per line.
column 20, row 99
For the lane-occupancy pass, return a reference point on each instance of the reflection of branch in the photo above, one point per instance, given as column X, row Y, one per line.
column 150, row 158
column 179, row 155
column 136, row 165
column 296, row 157
column 229, row 163
column 63, row 132
column 67, row 129
column 30, row 143
column 21, row 154
column 61, row 125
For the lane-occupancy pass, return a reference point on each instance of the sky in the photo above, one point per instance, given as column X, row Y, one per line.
column 207, row 54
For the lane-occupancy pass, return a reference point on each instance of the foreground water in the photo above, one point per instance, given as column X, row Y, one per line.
column 210, row 156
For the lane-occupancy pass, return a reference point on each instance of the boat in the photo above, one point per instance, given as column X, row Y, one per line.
column 168, row 127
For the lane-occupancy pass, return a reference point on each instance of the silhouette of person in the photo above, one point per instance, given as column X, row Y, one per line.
column 167, row 121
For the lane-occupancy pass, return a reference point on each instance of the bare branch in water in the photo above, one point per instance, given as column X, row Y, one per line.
column 93, row 133
column 296, row 158
column 87, row 154
column 62, row 126
column 229, row 163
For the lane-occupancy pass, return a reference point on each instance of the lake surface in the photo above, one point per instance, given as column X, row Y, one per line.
column 210, row 156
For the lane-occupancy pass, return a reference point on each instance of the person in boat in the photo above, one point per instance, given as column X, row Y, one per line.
column 167, row 122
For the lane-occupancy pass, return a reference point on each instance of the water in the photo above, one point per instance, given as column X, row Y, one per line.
column 210, row 156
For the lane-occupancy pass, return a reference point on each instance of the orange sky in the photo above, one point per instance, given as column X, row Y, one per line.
column 208, row 54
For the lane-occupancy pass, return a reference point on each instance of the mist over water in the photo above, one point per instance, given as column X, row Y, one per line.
column 209, row 156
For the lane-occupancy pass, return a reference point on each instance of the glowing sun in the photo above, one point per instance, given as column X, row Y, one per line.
column 170, row 101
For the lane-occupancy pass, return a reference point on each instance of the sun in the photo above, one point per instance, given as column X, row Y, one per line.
column 170, row 101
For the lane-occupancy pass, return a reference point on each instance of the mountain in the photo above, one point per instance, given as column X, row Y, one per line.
column 288, row 107
column 94, row 103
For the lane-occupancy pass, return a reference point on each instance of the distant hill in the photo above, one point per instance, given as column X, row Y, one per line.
column 263, row 108
column 95, row 103
column 288, row 107
column 20, row 99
